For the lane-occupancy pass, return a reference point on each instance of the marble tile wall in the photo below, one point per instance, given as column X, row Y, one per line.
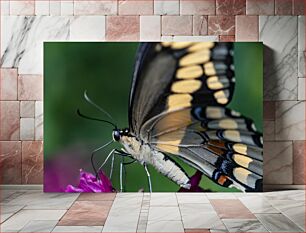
column 25, row 25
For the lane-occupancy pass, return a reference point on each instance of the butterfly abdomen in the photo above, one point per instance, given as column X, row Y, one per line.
column 170, row 169
column 146, row 155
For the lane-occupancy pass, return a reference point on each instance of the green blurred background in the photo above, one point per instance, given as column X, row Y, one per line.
column 105, row 70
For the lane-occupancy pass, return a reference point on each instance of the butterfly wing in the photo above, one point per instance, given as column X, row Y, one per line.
column 222, row 144
column 153, row 73
column 155, row 87
column 178, row 105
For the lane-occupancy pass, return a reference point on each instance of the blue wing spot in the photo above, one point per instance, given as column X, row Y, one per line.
column 227, row 167
column 198, row 113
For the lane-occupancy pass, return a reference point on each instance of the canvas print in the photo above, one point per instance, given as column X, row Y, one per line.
column 153, row 117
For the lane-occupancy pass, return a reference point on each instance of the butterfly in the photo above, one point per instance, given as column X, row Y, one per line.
column 178, row 106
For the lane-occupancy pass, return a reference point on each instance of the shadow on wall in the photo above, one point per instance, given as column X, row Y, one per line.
column 273, row 89
column 269, row 74
column 268, row 62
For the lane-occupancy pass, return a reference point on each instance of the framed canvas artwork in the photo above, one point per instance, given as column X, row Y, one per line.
column 153, row 117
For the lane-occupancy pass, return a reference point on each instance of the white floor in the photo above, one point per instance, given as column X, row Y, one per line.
column 35, row 211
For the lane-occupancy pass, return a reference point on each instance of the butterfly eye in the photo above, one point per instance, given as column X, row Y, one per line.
column 116, row 135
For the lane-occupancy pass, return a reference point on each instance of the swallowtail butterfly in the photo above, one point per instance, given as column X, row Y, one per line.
column 178, row 106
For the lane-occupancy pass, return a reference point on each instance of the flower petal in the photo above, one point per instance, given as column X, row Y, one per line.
column 90, row 183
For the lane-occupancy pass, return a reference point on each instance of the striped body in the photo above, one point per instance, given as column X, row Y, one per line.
column 146, row 155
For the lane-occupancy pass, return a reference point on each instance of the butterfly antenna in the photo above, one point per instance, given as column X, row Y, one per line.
column 97, row 106
column 93, row 154
column 95, row 119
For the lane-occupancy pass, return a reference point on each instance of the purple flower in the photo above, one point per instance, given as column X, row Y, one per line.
column 90, row 184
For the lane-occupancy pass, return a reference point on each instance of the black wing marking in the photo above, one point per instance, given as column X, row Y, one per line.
column 170, row 76
column 153, row 72
column 225, row 147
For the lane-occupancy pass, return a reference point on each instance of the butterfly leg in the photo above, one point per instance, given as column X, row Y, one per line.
column 121, row 173
column 115, row 151
column 108, row 156
column 122, row 164
column 122, row 167
column 123, row 170
column 112, row 167
column 149, row 177
column 112, row 154
column 92, row 158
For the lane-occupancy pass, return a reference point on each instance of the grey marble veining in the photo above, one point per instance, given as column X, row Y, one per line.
column 242, row 225
column 39, row 226
column 38, row 200
column 257, row 205
column 9, row 210
column 292, row 209
column 22, row 40
column 294, row 195
column 6, row 193
column 301, row 47
column 207, row 220
column 11, row 197
column 23, row 217
column 278, row 163
column 269, row 131
column 278, row 223
column 200, row 216
column 279, row 35
column 290, row 120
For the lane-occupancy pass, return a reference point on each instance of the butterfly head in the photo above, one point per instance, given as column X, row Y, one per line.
column 118, row 133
